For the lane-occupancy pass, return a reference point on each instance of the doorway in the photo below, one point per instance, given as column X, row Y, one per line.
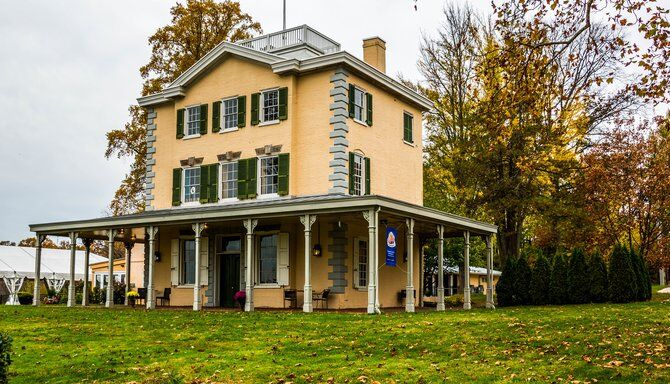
column 228, row 252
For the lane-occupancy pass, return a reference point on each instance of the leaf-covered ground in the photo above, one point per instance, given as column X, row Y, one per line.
column 587, row 343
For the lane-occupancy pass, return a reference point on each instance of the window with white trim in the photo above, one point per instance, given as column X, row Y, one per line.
column 191, row 185
column 359, row 175
column 229, row 114
column 229, row 180
column 270, row 105
column 267, row 259
column 193, row 121
column 359, row 105
column 268, row 175
column 187, row 262
column 360, row 262
column 102, row 278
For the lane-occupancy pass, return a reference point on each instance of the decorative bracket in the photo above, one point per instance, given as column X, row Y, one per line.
column 307, row 221
column 250, row 225
column 73, row 239
column 111, row 234
column 198, row 228
column 152, row 231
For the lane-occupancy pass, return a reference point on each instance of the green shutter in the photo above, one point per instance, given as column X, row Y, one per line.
column 214, row 183
column 176, row 186
column 180, row 123
column 203, row 119
column 407, row 127
column 255, row 97
column 204, row 184
column 241, row 111
column 352, row 98
column 283, row 103
column 368, row 105
column 351, row 172
column 367, row 175
column 216, row 116
column 251, row 177
column 242, row 171
column 282, row 183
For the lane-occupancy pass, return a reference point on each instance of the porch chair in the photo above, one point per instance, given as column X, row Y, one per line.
column 142, row 295
column 291, row 295
column 321, row 297
column 165, row 297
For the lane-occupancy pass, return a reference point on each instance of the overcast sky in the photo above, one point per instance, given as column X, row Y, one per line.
column 69, row 71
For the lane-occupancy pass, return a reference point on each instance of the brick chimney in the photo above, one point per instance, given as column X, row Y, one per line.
column 374, row 52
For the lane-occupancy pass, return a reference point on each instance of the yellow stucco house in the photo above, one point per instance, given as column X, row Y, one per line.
column 277, row 166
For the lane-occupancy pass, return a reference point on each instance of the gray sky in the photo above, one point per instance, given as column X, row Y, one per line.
column 69, row 70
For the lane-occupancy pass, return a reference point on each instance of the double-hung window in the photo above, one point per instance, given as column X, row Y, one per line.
column 268, row 171
column 359, row 175
column 359, row 105
column 193, row 121
column 230, row 114
column 191, row 187
column 267, row 265
column 360, row 262
column 229, row 180
column 270, row 106
column 187, row 262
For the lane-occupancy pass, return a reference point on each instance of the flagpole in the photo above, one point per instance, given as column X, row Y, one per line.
column 284, row 14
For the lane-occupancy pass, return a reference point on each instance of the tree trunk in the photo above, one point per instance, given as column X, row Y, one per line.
column 509, row 235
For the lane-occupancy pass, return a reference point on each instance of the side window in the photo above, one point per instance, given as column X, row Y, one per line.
column 270, row 105
column 359, row 105
column 192, row 121
column 267, row 259
column 268, row 172
column 360, row 262
column 229, row 180
column 408, row 122
column 230, row 119
column 187, row 262
column 191, row 185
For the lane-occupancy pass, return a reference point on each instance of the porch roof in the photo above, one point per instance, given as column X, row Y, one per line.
column 262, row 208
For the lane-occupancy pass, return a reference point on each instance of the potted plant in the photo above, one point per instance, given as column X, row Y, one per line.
column 132, row 297
column 241, row 298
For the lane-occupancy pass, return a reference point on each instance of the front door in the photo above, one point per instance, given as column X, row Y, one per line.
column 230, row 279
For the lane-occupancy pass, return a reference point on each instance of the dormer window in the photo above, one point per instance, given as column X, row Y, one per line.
column 270, row 103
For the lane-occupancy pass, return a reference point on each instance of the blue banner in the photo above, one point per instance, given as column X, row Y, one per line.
column 391, row 246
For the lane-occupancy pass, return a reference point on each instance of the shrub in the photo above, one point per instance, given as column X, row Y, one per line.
column 5, row 357
column 597, row 279
column 539, row 282
column 622, row 284
column 521, row 284
column 454, row 301
column 578, row 278
column 504, row 289
column 25, row 298
column 558, row 285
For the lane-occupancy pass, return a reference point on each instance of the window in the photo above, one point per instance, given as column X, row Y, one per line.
column 193, row 121
column 359, row 105
column 230, row 114
column 270, row 103
column 267, row 266
column 359, row 175
column 229, row 180
column 187, row 262
column 408, row 121
column 269, row 175
column 361, row 263
column 101, row 279
column 191, row 185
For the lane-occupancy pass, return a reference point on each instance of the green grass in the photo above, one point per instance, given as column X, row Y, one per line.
column 609, row 343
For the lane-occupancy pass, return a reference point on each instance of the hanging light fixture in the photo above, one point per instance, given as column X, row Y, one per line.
column 316, row 249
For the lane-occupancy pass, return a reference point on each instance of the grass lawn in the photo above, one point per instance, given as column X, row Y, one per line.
column 607, row 343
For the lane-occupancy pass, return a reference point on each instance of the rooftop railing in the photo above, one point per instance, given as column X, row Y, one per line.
column 290, row 38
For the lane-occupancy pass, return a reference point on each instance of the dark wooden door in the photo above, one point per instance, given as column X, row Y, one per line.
column 230, row 279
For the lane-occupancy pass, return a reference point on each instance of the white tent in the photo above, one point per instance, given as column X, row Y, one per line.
column 55, row 262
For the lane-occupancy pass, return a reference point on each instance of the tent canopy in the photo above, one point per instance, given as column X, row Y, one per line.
column 54, row 261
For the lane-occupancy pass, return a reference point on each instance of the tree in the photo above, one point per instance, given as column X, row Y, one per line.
column 521, row 284
column 643, row 280
column 540, row 281
column 578, row 278
column 505, row 288
column 622, row 282
column 558, row 286
column 196, row 28
column 598, row 285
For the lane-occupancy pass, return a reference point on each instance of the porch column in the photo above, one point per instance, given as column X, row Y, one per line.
column 489, row 273
column 128, row 245
column 467, row 304
column 409, row 290
column 73, row 252
column 197, row 301
column 38, row 268
column 307, row 221
column 250, row 225
column 110, row 265
column 661, row 276
column 440, row 268
column 151, row 300
column 87, row 253
column 369, row 215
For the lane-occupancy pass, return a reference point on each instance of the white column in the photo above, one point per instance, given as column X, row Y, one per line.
column 307, row 221
column 197, row 300
column 250, row 225
column 73, row 252
column 151, row 295
column 110, row 266
column 38, row 269
column 489, row 273
column 128, row 245
column 409, row 290
column 87, row 253
column 369, row 215
column 467, row 304
column 661, row 276
column 440, row 268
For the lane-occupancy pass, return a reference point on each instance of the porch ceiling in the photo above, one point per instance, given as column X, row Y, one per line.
column 426, row 218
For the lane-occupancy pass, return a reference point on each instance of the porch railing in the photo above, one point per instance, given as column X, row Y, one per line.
column 292, row 37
